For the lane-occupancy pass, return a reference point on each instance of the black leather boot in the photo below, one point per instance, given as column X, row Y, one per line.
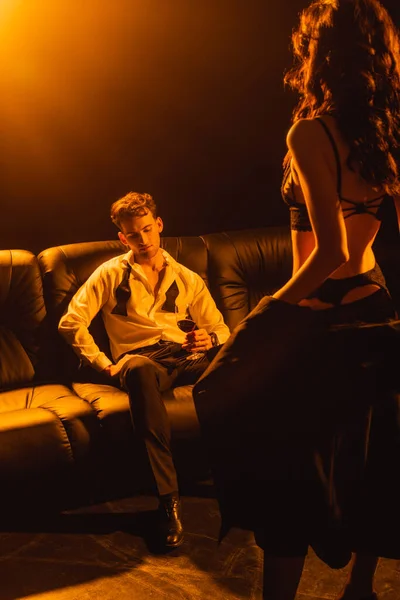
column 171, row 529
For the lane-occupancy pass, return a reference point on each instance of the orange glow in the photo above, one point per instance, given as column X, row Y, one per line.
column 97, row 86
column 54, row 66
column 7, row 7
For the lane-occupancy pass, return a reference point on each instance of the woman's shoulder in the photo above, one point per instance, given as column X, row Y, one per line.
column 305, row 135
column 302, row 129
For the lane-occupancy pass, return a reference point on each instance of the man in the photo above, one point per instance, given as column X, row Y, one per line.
column 139, row 294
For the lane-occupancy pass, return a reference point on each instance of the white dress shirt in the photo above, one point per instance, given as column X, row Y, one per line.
column 146, row 323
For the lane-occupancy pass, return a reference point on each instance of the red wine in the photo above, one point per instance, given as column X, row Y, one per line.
column 186, row 325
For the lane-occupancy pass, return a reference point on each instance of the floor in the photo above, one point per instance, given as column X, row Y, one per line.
column 106, row 552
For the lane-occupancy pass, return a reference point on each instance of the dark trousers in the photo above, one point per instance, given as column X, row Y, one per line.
column 150, row 371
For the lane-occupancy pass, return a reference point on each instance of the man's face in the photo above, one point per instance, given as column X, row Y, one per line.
column 142, row 235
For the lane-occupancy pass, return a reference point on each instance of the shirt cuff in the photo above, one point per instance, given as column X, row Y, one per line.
column 101, row 362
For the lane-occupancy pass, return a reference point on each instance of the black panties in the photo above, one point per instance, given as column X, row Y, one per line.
column 333, row 291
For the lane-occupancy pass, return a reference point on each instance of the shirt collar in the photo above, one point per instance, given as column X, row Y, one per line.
column 129, row 258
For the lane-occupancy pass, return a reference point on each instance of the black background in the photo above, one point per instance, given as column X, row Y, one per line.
column 182, row 99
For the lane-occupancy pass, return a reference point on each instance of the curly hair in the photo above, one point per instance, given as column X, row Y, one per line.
column 132, row 204
column 347, row 64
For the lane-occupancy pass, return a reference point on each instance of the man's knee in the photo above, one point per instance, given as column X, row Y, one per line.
column 138, row 369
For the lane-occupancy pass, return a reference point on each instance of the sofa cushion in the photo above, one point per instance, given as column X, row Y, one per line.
column 112, row 407
column 15, row 366
column 42, row 428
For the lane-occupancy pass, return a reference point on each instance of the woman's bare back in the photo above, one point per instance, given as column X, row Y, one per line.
column 361, row 228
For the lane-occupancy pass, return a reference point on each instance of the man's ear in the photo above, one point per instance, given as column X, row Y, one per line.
column 122, row 238
column 160, row 224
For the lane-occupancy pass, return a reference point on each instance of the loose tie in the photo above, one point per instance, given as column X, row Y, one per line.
column 171, row 295
column 122, row 294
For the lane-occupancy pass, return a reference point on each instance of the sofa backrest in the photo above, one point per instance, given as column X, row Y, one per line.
column 238, row 267
column 244, row 266
column 22, row 313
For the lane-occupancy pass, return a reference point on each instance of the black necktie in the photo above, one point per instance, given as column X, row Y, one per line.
column 171, row 294
column 122, row 294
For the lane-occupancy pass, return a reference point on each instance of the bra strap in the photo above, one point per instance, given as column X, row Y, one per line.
column 336, row 152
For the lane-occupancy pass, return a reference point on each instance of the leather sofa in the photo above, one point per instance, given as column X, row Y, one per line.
column 45, row 428
column 66, row 437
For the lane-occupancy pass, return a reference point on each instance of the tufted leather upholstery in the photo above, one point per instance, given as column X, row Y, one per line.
column 21, row 314
column 43, row 428
column 244, row 266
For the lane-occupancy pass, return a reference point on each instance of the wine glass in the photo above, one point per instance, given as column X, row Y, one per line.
column 186, row 324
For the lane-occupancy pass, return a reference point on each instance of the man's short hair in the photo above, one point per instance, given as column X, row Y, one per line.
column 132, row 204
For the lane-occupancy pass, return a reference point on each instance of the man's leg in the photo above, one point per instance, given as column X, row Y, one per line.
column 189, row 371
column 144, row 379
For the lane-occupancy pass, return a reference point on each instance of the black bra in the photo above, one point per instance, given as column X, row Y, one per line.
column 299, row 219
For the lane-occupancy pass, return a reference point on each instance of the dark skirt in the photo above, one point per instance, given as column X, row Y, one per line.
column 300, row 414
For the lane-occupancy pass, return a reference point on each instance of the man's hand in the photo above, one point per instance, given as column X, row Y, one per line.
column 113, row 370
column 197, row 341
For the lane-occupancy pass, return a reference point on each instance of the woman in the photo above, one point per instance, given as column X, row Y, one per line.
column 342, row 165
column 343, row 159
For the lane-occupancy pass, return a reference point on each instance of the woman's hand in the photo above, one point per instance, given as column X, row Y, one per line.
column 315, row 304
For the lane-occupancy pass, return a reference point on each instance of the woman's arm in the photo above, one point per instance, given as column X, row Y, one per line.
column 313, row 160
